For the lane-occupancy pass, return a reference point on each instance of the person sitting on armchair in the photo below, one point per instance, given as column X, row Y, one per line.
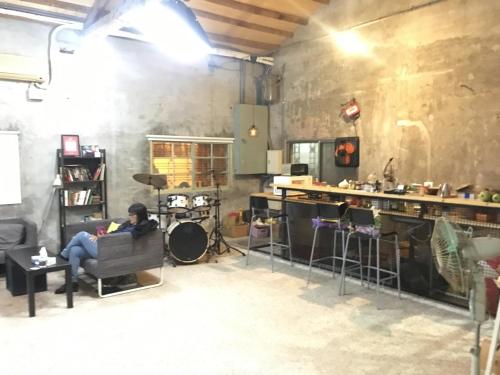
column 84, row 245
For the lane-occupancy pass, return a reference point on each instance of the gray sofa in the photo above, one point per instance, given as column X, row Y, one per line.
column 16, row 234
column 119, row 254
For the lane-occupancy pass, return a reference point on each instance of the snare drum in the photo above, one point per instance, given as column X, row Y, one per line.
column 177, row 203
column 201, row 203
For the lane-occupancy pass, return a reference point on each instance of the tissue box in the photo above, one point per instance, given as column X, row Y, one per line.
column 38, row 260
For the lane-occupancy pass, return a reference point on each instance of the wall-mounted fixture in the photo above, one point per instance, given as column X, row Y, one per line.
column 250, row 151
column 350, row 111
column 21, row 68
column 172, row 26
column 252, row 132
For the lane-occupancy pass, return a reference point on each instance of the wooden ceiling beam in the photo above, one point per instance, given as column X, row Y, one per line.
column 241, row 23
column 61, row 5
column 242, row 42
column 259, row 11
column 40, row 12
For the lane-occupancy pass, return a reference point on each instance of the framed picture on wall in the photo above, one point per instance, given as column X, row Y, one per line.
column 70, row 145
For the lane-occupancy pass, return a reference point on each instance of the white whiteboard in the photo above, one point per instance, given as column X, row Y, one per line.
column 10, row 169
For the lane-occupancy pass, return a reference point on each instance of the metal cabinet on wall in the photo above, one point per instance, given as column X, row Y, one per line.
column 249, row 152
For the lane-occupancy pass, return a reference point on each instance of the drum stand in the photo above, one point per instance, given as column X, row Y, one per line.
column 166, row 250
column 216, row 234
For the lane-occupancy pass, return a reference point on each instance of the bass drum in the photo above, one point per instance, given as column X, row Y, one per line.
column 187, row 241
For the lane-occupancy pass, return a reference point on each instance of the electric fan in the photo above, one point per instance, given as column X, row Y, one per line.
column 457, row 256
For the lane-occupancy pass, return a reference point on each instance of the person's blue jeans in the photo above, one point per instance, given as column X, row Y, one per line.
column 80, row 247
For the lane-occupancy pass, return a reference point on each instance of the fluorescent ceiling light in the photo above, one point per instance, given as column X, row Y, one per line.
column 166, row 25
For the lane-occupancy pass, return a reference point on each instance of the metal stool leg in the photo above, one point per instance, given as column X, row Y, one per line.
column 249, row 239
column 398, row 264
column 289, row 240
column 272, row 245
column 334, row 252
column 360, row 254
column 342, row 272
column 378, row 267
column 369, row 262
column 312, row 254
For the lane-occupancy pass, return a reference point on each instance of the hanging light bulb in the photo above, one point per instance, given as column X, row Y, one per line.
column 252, row 132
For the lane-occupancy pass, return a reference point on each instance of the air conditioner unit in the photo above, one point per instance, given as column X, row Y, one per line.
column 21, row 68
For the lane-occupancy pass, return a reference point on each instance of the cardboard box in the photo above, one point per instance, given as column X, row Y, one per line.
column 483, row 359
column 235, row 231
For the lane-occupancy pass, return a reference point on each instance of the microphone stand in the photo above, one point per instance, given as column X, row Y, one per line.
column 216, row 234
column 166, row 249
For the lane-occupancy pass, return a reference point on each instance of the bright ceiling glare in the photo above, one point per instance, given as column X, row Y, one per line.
column 172, row 27
column 350, row 43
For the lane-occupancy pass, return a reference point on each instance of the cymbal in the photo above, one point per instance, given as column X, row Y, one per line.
column 158, row 181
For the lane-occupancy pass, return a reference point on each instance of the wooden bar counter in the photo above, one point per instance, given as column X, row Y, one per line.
column 412, row 215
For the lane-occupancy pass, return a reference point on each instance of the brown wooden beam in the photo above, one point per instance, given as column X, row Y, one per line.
column 260, row 11
column 40, row 12
column 241, row 23
column 230, row 48
column 242, row 42
column 61, row 5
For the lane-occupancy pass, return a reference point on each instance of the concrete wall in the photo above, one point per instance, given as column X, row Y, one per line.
column 112, row 95
column 438, row 64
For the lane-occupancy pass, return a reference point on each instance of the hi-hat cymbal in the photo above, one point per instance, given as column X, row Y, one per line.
column 158, row 181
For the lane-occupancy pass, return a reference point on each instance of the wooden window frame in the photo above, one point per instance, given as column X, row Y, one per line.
column 197, row 140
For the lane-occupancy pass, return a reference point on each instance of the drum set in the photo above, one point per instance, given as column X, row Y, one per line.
column 185, row 239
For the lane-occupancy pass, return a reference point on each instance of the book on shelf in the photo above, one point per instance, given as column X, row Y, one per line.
column 79, row 198
column 76, row 173
column 99, row 173
column 103, row 169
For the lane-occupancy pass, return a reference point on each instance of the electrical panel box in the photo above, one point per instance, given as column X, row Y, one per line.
column 274, row 161
column 250, row 152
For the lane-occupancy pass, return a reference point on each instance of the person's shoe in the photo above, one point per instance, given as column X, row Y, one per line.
column 62, row 288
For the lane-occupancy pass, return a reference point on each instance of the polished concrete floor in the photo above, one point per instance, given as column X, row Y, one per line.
column 226, row 318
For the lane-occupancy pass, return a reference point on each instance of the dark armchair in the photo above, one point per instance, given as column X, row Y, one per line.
column 119, row 254
column 16, row 234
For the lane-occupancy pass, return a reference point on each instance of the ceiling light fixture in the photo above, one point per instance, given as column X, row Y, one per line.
column 172, row 27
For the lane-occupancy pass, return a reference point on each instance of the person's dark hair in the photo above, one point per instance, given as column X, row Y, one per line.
column 140, row 210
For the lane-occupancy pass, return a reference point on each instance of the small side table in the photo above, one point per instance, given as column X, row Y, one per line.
column 22, row 258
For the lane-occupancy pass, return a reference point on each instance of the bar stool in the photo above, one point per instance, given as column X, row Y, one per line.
column 260, row 210
column 363, row 222
column 329, row 217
